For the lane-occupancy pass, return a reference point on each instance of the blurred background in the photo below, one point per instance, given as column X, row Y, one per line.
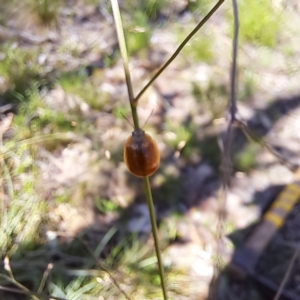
column 73, row 220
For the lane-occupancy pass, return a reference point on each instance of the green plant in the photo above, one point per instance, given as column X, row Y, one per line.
column 34, row 118
column 24, row 212
column 20, row 70
column 46, row 10
column 259, row 22
column 176, row 134
column 245, row 160
column 199, row 49
column 79, row 288
column 212, row 98
column 81, row 85
column 105, row 206
column 137, row 33
column 247, row 85
column 150, row 8
column 198, row 5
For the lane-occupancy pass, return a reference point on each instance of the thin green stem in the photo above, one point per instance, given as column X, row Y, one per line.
column 122, row 45
column 155, row 235
column 181, row 46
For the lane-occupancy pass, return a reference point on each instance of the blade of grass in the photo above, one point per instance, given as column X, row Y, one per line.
column 178, row 50
column 104, row 241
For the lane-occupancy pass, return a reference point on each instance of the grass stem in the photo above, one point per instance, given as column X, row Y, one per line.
column 123, row 50
column 155, row 235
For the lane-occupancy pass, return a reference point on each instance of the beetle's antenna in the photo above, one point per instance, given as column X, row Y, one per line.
column 148, row 117
column 126, row 119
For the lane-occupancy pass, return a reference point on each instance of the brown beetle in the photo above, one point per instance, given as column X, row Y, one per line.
column 141, row 154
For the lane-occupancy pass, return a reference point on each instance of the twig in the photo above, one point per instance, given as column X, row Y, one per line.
column 178, row 50
column 287, row 274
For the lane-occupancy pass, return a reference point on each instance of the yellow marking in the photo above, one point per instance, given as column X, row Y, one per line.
column 291, row 198
column 293, row 187
column 285, row 201
column 273, row 218
column 287, row 198
column 285, row 205
column 289, row 193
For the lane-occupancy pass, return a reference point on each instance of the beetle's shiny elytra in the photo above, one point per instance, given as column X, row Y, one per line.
column 141, row 154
